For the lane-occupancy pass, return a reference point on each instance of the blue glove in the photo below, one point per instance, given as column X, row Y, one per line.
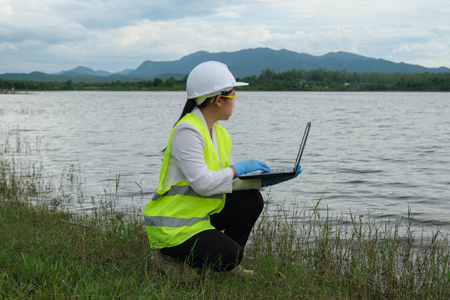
column 276, row 180
column 251, row 165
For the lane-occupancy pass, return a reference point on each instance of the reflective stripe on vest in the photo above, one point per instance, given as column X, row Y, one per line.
column 172, row 222
column 186, row 191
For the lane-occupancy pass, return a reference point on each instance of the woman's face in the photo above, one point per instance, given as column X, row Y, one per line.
column 227, row 106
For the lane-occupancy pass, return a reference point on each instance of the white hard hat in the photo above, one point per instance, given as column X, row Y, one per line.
column 209, row 79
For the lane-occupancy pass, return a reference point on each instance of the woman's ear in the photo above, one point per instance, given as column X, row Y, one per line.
column 218, row 101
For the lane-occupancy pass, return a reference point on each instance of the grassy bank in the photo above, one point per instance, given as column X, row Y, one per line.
column 48, row 252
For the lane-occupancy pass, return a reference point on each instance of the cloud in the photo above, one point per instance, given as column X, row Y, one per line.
column 8, row 47
column 402, row 49
column 106, row 14
column 114, row 35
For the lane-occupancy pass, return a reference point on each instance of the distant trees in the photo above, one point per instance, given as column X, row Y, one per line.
column 268, row 80
column 297, row 80
column 68, row 85
column 157, row 82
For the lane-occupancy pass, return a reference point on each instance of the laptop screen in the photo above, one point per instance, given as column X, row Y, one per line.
column 302, row 146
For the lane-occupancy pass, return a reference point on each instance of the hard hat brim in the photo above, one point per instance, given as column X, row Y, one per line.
column 232, row 86
column 241, row 84
column 218, row 92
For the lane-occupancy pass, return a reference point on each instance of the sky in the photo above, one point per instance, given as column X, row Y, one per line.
column 112, row 35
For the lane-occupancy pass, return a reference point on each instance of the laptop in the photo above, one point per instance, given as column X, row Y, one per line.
column 279, row 172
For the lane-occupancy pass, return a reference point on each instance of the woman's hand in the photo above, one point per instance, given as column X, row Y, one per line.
column 248, row 166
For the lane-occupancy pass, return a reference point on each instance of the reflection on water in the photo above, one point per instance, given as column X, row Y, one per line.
column 371, row 153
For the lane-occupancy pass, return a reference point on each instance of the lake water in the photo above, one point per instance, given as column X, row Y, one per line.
column 375, row 154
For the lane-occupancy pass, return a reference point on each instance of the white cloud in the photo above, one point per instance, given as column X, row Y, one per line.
column 8, row 46
column 402, row 49
column 114, row 35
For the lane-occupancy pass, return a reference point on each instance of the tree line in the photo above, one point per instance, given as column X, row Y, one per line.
column 157, row 84
column 268, row 80
column 323, row 80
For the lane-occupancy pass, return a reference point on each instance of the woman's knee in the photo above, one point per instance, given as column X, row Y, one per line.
column 257, row 199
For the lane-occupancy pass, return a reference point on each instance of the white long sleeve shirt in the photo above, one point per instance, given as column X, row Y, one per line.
column 187, row 162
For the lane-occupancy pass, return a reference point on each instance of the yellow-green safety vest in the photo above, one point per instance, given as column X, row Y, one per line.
column 177, row 213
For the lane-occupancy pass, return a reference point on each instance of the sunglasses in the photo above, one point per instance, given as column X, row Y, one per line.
column 225, row 96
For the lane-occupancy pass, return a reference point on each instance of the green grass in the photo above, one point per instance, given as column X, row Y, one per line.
column 47, row 252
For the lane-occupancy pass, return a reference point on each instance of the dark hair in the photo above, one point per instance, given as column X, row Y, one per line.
column 189, row 106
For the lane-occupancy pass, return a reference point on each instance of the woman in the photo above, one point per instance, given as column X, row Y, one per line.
column 201, row 214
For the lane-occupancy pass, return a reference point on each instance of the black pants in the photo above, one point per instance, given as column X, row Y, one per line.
column 222, row 251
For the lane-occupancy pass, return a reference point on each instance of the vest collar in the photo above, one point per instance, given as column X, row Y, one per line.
column 196, row 111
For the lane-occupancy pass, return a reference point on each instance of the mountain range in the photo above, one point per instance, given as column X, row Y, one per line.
column 241, row 63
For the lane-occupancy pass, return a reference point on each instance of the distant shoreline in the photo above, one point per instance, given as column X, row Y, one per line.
column 17, row 92
column 268, row 80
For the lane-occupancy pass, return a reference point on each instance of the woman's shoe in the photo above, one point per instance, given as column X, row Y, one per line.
column 164, row 262
column 241, row 271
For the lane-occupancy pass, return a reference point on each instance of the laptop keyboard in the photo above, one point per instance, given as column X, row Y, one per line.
column 278, row 170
